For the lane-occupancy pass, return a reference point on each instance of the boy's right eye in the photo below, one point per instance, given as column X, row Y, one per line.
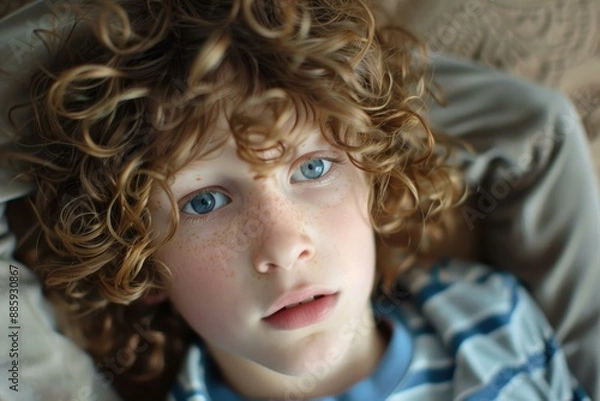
column 205, row 202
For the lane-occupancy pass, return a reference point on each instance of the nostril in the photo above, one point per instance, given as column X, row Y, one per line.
column 266, row 267
column 305, row 254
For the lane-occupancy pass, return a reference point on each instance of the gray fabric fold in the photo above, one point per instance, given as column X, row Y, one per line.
column 537, row 196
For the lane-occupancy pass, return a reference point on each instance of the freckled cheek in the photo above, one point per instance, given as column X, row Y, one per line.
column 198, row 249
column 198, row 263
column 201, row 279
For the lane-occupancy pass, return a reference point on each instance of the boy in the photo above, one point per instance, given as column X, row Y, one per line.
column 312, row 180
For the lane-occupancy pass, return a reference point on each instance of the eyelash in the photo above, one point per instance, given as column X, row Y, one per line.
column 325, row 179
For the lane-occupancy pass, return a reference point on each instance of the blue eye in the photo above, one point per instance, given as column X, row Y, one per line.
column 312, row 170
column 205, row 202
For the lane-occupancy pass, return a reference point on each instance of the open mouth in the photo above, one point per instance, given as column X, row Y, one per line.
column 297, row 315
column 307, row 300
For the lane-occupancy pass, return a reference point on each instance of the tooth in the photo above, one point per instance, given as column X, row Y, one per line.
column 307, row 300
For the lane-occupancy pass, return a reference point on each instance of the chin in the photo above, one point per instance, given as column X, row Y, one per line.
column 316, row 357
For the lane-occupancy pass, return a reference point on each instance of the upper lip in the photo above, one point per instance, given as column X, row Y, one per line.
column 296, row 296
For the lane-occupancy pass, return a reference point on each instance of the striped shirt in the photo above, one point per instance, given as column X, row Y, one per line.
column 457, row 332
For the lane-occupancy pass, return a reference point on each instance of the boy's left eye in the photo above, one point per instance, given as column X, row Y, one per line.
column 312, row 169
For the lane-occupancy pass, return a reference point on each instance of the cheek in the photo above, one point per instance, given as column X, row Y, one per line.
column 201, row 284
column 212, row 253
column 349, row 215
column 350, row 227
column 331, row 198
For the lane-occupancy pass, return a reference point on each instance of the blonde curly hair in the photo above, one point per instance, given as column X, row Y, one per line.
column 125, row 102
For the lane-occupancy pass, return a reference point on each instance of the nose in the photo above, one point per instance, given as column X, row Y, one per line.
column 282, row 243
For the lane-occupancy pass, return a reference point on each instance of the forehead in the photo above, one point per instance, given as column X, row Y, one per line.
column 265, row 124
column 265, row 134
column 272, row 141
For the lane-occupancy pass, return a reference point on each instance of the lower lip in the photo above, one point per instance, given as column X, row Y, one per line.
column 303, row 315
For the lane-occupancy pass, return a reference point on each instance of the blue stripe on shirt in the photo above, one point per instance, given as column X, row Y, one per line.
column 429, row 376
column 539, row 360
column 487, row 325
column 491, row 323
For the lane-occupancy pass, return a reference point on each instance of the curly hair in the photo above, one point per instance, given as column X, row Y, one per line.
column 125, row 103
